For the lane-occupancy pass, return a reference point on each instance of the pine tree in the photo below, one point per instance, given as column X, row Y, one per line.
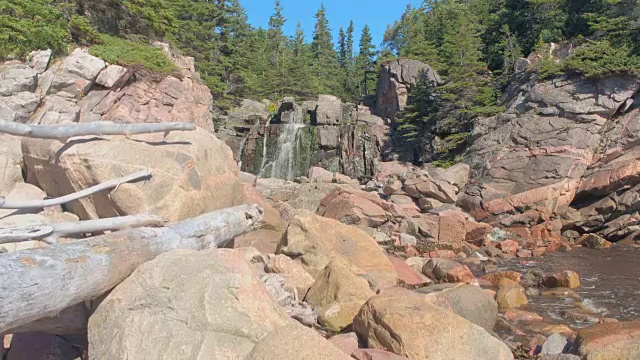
column 342, row 49
column 325, row 65
column 349, row 43
column 298, row 79
column 277, row 52
column 365, row 62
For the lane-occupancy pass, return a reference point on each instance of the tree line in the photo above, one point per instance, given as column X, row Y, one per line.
column 233, row 58
column 474, row 45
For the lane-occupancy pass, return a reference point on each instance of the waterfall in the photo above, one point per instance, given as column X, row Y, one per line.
column 283, row 167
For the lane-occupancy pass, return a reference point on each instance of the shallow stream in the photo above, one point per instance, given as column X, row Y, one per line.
column 610, row 283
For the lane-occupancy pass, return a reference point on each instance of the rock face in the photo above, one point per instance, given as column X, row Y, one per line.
column 193, row 173
column 531, row 163
column 407, row 324
column 395, row 81
column 314, row 241
column 222, row 312
column 326, row 133
column 10, row 163
column 82, row 88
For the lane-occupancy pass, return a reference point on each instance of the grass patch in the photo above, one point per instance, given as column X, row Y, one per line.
column 129, row 53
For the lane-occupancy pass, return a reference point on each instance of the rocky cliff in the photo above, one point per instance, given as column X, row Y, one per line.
column 561, row 145
column 83, row 88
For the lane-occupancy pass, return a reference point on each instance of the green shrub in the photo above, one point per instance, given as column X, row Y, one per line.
column 27, row 25
column 129, row 53
column 82, row 32
column 596, row 59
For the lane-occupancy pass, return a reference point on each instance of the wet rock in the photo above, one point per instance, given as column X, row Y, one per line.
column 565, row 279
column 549, row 329
column 407, row 324
column 515, row 315
column 338, row 294
column 612, row 341
column 314, row 241
column 594, row 241
column 375, row 354
column 494, row 278
column 471, row 302
column 555, row 344
column 448, row 271
column 347, row 343
column 510, row 295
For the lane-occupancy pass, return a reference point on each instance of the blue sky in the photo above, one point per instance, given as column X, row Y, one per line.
column 376, row 13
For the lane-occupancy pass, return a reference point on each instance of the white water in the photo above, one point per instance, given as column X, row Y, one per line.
column 283, row 165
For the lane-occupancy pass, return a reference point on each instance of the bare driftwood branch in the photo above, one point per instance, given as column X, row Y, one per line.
column 36, row 204
column 25, row 233
column 64, row 132
column 41, row 283
column 50, row 231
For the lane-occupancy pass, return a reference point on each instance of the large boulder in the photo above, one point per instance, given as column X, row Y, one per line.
column 314, row 241
column 338, row 294
column 408, row 324
column 193, row 173
column 77, row 73
column 609, row 341
column 198, row 305
column 18, row 107
column 396, row 80
column 328, row 110
column 10, row 163
column 17, row 78
column 298, row 342
column 471, row 302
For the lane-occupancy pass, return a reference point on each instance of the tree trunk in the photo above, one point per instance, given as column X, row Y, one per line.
column 42, row 282
column 99, row 128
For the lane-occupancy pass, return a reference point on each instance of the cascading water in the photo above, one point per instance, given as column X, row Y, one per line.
column 284, row 164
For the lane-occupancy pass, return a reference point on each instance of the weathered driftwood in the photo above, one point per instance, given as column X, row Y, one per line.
column 50, row 232
column 37, row 204
column 42, row 282
column 99, row 128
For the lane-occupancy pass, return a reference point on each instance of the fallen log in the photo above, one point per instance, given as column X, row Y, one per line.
column 98, row 128
column 50, row 232
column 41, row 283
column 38, row 204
